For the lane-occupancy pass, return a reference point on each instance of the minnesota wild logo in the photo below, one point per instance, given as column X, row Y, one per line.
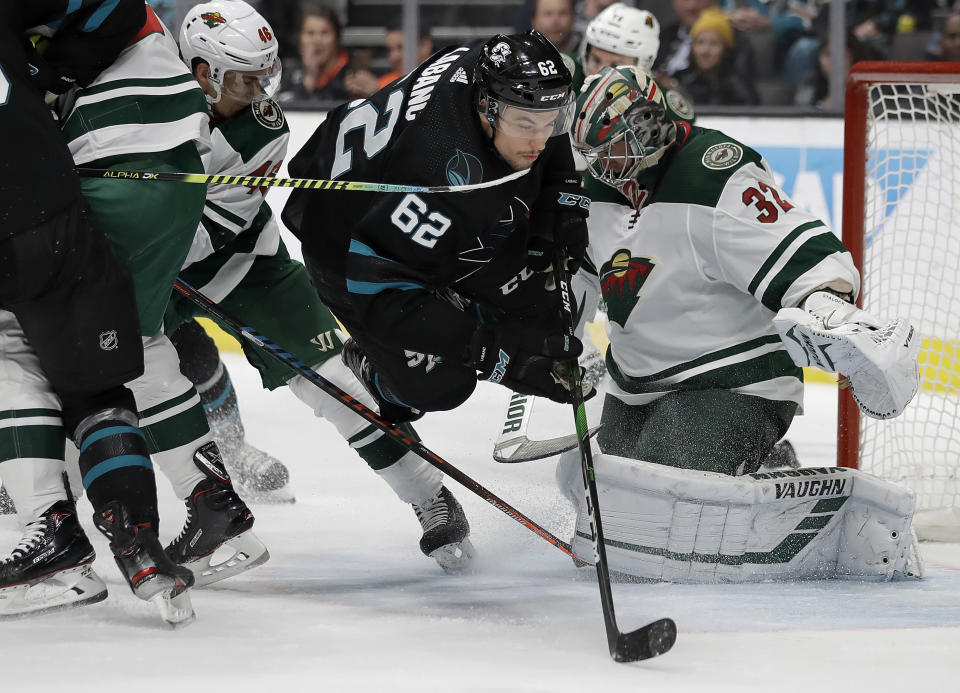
column 620, row 281
column 211, row 19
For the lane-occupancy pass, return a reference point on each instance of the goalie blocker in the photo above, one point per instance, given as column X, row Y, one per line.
column 662, row 523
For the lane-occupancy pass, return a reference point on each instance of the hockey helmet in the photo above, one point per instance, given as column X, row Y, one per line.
column 239, row 46
column 626, row 31
column 521, row 80
column 621, row 126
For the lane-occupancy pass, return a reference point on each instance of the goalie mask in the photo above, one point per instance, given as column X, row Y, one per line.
column 239, row 46
column 621, row 126
column 625, row 31
column 523, row 87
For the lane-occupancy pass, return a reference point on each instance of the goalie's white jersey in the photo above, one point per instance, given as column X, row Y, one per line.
column 692, row 281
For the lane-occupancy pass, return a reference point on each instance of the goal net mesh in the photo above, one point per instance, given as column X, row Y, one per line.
column 911, row 267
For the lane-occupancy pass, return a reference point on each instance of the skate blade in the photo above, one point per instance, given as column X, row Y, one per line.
column 456, row 557
column 246, row 552
column 64, row 589
column 174, row 606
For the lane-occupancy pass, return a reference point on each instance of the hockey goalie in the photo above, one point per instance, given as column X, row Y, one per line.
column 718, row 290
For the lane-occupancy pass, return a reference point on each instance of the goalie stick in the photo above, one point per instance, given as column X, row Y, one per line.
column 513, row 445
column 654, row 638
column 301, row 183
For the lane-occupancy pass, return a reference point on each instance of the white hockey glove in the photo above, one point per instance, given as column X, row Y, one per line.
column 880, row 359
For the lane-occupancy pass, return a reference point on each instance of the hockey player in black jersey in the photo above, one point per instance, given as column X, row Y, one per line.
column 437, row 288
column 69, row 333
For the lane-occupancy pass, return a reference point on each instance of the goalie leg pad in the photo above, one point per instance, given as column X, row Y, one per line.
column 677, row 525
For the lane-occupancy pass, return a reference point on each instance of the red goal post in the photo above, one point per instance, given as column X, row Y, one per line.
column 901, row 222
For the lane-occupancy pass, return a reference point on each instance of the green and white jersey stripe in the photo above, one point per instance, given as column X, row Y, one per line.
column 31, row 434
column 146, row 101
column 693, row 279
column 238, row 224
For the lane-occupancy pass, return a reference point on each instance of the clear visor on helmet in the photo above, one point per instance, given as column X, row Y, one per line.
column 252, row 86
column 540, row 123
column 616, row 160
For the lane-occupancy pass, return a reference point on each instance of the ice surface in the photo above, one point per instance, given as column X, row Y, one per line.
column 348, row 603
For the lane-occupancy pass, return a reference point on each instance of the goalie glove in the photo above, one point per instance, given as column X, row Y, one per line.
column 879, row 359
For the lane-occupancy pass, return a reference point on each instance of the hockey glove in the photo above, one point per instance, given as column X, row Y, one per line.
column 559, row 220
column 46, row 76
column 879, row 359
column 523, row 359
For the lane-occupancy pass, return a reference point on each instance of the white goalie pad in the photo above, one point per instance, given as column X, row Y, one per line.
column 880, row 359
column 677, row 525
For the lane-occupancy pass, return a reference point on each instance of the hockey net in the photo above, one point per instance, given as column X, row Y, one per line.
column 901, row 221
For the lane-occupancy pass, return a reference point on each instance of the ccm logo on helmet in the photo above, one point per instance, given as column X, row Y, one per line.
column 553, row 97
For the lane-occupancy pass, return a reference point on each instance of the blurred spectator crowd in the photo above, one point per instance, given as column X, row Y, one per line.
column 716, row 52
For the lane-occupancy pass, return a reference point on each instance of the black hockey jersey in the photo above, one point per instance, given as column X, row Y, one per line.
column 388, row 261
column 36, row 170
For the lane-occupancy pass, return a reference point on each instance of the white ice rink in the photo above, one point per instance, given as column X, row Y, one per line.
column 348, row 603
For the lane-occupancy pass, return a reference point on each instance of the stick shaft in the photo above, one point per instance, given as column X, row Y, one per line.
column 270, row 348
column 299, row 183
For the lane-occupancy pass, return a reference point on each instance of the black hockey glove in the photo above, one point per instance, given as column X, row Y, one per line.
column 559, row 219
column 44, row 75
column 523, row 359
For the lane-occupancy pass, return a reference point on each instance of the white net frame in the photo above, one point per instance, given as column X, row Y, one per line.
column 910, row 265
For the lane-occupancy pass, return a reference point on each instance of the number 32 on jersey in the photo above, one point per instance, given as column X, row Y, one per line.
column 759, row 199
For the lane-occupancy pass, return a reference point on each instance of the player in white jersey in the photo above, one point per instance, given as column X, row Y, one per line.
column 718, row 288
column 239, row 261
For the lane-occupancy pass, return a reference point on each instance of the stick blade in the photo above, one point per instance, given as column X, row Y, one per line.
column 522, row 449
column 651, row 640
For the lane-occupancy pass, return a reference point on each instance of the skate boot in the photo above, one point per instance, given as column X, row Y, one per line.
column 6, row 502
column 257, row 477
column 358, row 362
column 216, row 517
column 151, row 575
column 50, row 568
column 446, row 532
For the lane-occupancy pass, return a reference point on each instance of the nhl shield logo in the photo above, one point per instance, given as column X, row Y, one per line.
column 621, row 279
column 108, row 340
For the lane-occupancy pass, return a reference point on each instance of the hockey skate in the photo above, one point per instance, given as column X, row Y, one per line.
column 50, row 568
column 257, row 477
column 446, row 532
column 358, row 362
column 216, row 517
column 151, row 575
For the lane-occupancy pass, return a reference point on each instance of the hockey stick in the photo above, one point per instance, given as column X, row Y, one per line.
column 302, row 183
column 513, row 445
column 290, row 361
column 654, row 638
